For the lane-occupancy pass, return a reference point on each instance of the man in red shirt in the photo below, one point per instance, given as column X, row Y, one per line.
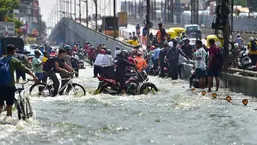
column 214, row 70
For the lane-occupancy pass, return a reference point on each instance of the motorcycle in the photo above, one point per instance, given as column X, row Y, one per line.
column 136, row 82
column 244, row 61
column 194, row 81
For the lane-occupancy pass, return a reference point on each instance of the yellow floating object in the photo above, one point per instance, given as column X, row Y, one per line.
column 203, row 93
column 245, row 102
column 214, row 95
column 228, row 98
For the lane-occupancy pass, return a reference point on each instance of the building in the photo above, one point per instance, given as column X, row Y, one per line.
column 29, row 14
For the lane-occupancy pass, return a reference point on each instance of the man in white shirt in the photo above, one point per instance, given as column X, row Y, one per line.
column 117, row 51
column 107, row 64
column 99, row 63
column 200, row 64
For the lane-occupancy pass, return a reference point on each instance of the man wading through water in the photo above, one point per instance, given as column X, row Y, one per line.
column 200, row 65
column 215, row 64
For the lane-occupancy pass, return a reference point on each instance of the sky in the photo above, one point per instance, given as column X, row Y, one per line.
column 46, row 7
column 105, row 7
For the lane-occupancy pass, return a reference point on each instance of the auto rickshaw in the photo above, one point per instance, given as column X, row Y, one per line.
column 171, row 33
column 132, row 42
column 219, row 42
column 178, row 30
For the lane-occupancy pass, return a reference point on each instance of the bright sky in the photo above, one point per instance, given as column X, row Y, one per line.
column 46, row 7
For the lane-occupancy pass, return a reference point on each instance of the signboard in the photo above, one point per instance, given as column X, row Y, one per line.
column 7, row 29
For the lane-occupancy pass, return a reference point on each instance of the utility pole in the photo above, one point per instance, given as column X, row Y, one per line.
column 95, row 15
column 80, row 11
column 115, row 20
column 70, row 9
column 148, row 21
column 87, row 11
column 75, row 9
column 194, row 11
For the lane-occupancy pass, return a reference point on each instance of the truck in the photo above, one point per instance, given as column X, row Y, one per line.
column 123, row 19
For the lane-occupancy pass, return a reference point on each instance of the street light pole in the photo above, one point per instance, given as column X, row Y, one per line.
column 95, row 15
column 87, row 11
column 75, row 9
column 70, row 9
column 115, row 20
column 80, row 11
column 148, row 21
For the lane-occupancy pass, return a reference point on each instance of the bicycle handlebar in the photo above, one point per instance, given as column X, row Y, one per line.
column 28, row 80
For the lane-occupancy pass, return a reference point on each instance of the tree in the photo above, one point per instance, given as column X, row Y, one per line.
column 6, row 6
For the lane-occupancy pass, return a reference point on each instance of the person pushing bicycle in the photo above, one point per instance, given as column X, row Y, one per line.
column 7, row 84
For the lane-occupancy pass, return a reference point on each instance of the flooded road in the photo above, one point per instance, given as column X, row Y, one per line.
column 176, row 115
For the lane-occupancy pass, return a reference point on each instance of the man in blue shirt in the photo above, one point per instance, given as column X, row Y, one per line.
column 156, row 54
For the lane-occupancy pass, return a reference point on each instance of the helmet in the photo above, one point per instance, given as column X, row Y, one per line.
column 251, row 39
column 124, row 54
column 108, row 51
column 238, row 35
column 67, row 47
column 139, row 54
column 236, row 45
column 117, row 48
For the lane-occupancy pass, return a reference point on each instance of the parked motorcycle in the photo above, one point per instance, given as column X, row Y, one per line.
column 244, row 61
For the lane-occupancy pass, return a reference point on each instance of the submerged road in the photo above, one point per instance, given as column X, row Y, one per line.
column 176, row 115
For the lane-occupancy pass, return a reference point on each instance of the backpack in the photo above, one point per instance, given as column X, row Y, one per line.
column 254, row 46
column 5, row 73
column 49, row 65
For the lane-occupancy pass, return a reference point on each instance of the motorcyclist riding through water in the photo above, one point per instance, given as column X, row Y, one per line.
column 121, row 66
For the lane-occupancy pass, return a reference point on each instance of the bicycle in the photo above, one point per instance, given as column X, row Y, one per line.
column 22, row 103
column 46, row 89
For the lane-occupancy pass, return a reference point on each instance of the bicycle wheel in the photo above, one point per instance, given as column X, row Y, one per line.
column 76, row 90
column 147, row 88
column 21, row 109
column 28, row 109
column 40, row 89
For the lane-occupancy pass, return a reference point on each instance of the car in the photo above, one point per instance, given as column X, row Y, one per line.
column 193, row 31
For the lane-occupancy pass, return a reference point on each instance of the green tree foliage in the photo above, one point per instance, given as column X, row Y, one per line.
column 12, row 18
column 7, row 6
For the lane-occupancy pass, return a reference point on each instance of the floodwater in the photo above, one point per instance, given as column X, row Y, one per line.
column 176, row 115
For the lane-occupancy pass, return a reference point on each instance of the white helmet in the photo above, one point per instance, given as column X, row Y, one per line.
column 238, row 35
column 251, row 39
column 236, row 45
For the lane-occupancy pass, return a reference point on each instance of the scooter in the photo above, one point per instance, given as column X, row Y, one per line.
column 244, row 61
